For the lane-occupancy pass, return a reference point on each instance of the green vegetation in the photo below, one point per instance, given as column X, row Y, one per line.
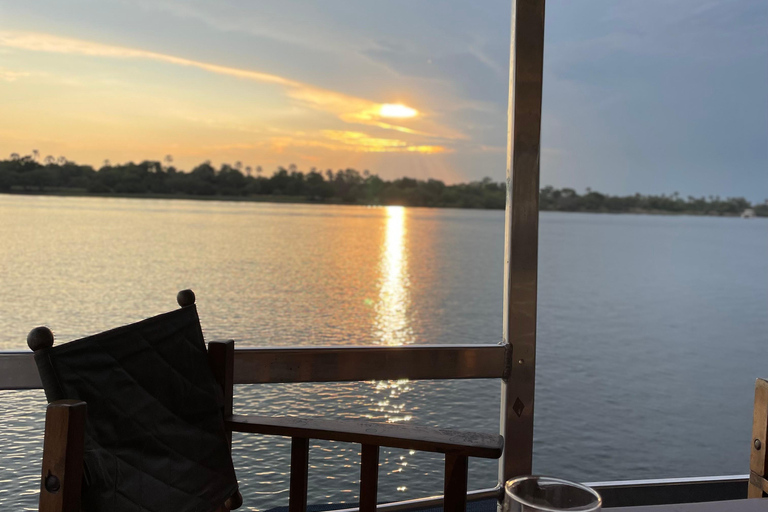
column 155, row 179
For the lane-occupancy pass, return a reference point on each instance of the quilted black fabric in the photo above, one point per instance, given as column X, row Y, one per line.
column 155, row 438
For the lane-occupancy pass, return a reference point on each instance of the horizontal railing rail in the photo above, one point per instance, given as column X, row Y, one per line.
column 271, row 365
column 342, row 364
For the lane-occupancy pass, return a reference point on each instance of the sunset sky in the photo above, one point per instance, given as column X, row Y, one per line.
column 643, row 96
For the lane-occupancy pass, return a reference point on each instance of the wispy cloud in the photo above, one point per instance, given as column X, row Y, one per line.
column 347, row 108
column 364, row 142
column 12, row 76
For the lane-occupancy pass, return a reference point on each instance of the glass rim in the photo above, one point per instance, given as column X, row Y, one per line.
column 545, row 508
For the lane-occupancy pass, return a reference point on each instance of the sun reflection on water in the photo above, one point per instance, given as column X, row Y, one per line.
column 392, row 323
column 392, row 326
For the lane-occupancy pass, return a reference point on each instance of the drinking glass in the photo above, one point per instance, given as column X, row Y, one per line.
column 545, row 494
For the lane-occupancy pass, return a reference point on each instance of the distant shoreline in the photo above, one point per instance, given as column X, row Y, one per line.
column 303, row 200
column 151, row 179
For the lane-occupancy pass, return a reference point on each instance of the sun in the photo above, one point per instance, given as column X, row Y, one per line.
column 397, row 110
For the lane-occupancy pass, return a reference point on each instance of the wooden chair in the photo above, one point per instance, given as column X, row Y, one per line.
column 758, row 462
column 66, row 423
column 136, row 420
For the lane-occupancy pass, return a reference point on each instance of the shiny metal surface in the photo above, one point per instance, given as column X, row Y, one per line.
column 671, row 490
column 521, row 235
column 340, row 364
column 18, row 371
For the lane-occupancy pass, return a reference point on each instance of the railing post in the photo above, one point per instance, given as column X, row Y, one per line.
column 369, row 477
column 521, row 236
column 455, row 484
column 297, row 495
column 758, row 461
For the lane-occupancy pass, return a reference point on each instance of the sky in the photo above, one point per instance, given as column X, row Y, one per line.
column 649, row 96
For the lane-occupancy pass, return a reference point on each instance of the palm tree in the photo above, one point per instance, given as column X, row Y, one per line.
column 258, row 170
column 35, row 154
column 168, row 160
column 238, row 165
column 49, row 160
column 248, row 170
column 14, row 156
column 107, row 163
column 62, row 160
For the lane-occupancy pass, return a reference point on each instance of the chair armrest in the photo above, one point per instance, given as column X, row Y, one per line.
column 62, row 470
column 409, row 437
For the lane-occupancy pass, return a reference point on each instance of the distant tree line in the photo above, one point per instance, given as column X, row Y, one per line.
column 27, row 174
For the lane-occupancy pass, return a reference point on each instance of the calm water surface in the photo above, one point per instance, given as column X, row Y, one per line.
column 652, row 329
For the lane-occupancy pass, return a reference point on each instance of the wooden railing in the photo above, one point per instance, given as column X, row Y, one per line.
column 338, row 364
column 347, row 364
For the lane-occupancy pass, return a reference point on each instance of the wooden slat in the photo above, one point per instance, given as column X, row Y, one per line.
column 297, row 496
column 455, row 485
column 409, row 437
column 62, row 472
column 759, row 482
column 758, row 459
column 344, row 364
column 369, row 477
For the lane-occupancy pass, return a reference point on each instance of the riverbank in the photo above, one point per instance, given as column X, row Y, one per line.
column 280, row 199
column 344, row 186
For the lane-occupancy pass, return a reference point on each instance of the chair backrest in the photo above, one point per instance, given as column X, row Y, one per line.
column 155, row 436
column 758, row 462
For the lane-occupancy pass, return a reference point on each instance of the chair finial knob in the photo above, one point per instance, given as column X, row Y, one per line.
column 185, row 298
column 235, row 501
column 40, row 338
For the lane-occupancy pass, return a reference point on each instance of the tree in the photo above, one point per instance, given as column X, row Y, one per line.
column 14, row 156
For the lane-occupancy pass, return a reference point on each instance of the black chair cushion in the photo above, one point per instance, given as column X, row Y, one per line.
column 155, row 438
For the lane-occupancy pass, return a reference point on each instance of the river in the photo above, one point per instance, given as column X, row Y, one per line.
column 651, row 331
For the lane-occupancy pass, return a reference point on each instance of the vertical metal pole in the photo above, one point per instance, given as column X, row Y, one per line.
column 521, row 236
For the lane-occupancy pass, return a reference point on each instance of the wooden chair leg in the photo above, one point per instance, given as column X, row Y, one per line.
column 758, row 462
column 297, row 496
column 369, row 477
column 455, row 486
column 62, row 473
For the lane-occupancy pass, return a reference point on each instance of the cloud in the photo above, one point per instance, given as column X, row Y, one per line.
column 364, row 142
column 347, row 108
column 345, row 141
column 12, row 76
